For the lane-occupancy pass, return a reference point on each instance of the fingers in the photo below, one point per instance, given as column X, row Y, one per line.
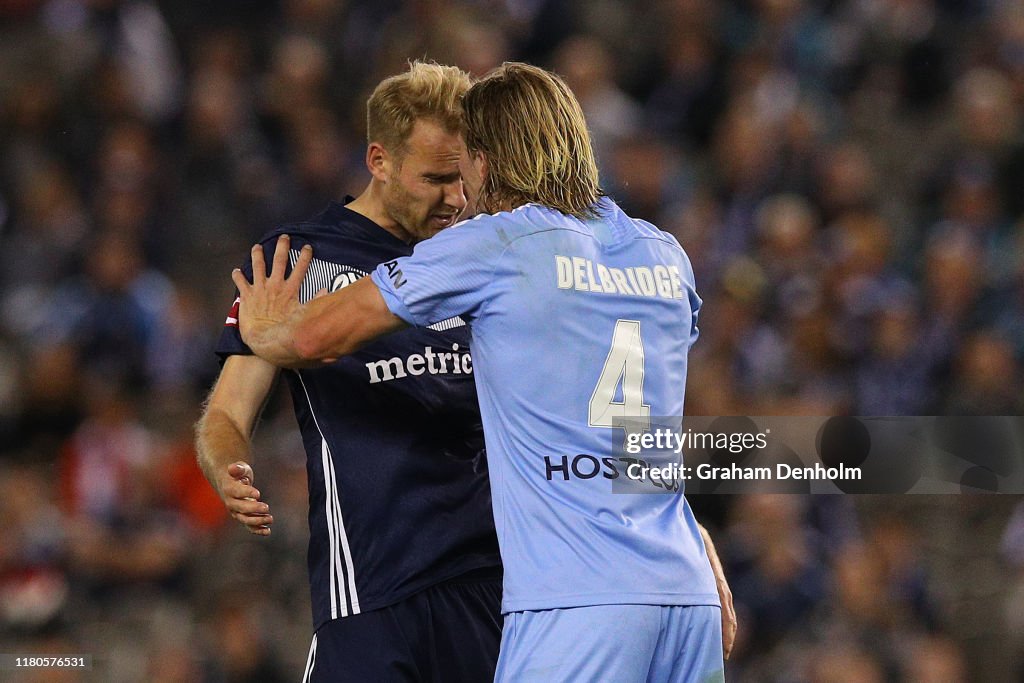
column 728, row 636
column 240, row 489
column 259, row 266
column 241, row 471
column 278, row 266
column 256, row 525
column 240, row 282
column 281, row 251
column 248, row 507
column 280, row 257
column 253, row 513
column 242, row 499
column 729, row 625
column 293, row 283
column 302, row 265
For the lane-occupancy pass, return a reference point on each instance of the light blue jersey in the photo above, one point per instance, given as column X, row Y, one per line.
column 574, row 323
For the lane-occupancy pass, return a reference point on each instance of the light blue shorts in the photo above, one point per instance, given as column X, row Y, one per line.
column 613, row 644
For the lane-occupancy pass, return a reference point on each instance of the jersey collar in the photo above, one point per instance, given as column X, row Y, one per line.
column 338, row 212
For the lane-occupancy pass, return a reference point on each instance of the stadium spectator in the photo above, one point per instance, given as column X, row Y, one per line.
column 905, row 111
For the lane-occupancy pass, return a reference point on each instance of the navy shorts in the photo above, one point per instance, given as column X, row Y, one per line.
column 447, row 633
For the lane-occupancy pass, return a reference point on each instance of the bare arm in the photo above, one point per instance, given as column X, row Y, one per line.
column 729, row 622
column 223, row 434
column 282, row 331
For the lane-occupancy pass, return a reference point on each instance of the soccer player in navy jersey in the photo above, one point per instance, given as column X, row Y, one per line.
column 580, row 316
column 403, row 560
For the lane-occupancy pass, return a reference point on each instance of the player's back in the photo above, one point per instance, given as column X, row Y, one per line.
column 573, row 323
column 588, row 321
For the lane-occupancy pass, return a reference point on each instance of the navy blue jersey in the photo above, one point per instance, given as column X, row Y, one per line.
column 398, row 492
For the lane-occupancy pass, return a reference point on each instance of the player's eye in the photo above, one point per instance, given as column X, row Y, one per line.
column 444, row 180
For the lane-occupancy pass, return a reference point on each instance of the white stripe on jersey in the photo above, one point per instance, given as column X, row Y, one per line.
column 332, row 534
column 310, row 661
column 341, row 594
column 334, row 276
column 343, row 537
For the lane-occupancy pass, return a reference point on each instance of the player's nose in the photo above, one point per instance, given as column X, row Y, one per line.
column 455, row 195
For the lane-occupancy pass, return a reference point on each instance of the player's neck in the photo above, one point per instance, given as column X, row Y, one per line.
column 371, row 205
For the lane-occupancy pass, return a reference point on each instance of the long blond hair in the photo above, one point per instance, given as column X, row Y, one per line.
column 532, row 131
column 426, row 91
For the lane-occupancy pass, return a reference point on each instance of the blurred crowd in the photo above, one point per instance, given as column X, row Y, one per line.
column 846, row 175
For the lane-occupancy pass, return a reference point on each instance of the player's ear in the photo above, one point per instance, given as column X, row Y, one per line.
column 378, row 161
column 480, row 161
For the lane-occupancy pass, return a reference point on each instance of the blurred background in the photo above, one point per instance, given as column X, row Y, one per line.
column 846, row 175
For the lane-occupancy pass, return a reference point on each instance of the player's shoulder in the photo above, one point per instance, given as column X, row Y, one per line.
column 666, row 242
column 670, row 245
column 522, row 221
column 650, row 231
column 334, row 225
column 638, row 228
column 645, row 230
column 300, row 232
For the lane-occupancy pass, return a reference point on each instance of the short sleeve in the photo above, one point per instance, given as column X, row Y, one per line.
column 446, row 276
column 695, row 300
column 230, row 342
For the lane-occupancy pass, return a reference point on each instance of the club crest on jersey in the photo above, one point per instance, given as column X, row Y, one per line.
column 342, row 279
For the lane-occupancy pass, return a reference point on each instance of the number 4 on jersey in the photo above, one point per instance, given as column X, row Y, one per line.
column 624, row 365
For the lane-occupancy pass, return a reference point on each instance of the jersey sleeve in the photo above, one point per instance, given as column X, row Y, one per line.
column 447, row 275
column 230, row 342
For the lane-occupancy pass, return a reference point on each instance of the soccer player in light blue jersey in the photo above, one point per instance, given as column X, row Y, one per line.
column 580, row 315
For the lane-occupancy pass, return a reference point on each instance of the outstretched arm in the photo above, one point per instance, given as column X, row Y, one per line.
column 282, row 331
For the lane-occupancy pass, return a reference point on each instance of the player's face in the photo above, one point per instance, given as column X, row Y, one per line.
column 424, row 192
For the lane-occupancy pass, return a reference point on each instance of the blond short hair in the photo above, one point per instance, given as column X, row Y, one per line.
column 426, row 91
column 532, row 131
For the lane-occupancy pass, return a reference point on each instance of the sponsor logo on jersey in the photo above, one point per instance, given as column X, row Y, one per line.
column 431, row 362
column 395, row 273
column 585, row 466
